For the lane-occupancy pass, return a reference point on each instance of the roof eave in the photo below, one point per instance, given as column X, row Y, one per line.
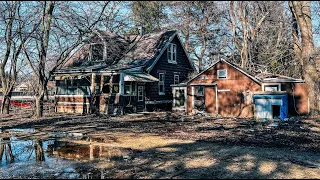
column 161, row 52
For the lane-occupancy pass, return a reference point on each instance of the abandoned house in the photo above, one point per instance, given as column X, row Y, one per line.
column 226, row 89
column 118, row 74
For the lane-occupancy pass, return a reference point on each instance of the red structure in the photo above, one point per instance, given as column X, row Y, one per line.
column 226, row 89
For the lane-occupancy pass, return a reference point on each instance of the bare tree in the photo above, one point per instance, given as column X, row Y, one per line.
column 115, row 20
column 240, row 14
column 302, row 14
column 64, row 25
column 199, row 24
column 14, row 38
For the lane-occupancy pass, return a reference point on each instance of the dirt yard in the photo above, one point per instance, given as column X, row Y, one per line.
column 174, row 145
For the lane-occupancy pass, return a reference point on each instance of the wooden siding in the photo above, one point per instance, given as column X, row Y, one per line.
column 182, row 68
column 73, row 108
column 210, row 101
column 230, row 99
column 297, row 98
column 72, row 104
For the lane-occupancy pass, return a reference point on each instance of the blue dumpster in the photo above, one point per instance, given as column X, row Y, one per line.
column 267, row 106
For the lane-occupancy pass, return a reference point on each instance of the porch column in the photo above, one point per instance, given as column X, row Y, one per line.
column 93, row 82
column 121, row 84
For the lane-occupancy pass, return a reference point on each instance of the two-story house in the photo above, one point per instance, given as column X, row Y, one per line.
column 118, row 74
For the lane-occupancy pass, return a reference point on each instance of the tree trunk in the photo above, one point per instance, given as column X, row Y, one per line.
column 3, row 103
column 302, row 13
column 39, row 150
column 39, row 105
column 7, row 106
column 244, row 54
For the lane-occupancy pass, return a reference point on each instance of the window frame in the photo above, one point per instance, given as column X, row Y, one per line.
column 172, row 53
column 161, row 83
column 174, row 79
column 221, row 70
column 140, row 87
column 196, row 91
column 132, row 89
column 264, row 85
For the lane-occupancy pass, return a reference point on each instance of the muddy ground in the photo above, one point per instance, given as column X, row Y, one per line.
column 175, row 145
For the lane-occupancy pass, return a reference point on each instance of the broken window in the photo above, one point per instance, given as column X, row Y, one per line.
column 115, row 84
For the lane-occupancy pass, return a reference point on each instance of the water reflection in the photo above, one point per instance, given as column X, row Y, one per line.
column 38, row 146
column 71, row 150
column 6, row 151
column 53, row 158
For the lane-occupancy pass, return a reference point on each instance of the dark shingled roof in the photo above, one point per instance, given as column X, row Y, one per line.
column 132, row 51
column 144, row 50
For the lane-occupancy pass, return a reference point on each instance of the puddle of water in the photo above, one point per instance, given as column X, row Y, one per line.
column 53, row 158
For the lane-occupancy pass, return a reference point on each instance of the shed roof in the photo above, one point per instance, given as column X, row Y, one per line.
column 259, row 78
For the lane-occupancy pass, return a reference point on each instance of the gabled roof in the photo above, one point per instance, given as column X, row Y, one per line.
column 137, row 51
column 259, row 78
column 144, row 50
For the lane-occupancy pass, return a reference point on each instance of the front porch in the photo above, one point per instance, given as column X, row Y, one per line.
column 107, row 93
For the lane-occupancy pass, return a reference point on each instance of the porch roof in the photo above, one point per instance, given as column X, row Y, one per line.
column 72, row 76
column 204, row 84
column 139, row 77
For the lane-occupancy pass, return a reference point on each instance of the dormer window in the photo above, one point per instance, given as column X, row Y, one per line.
column 96, row 52
column 172, row 53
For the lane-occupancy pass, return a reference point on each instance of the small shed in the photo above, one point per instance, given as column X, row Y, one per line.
column 271, row 105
